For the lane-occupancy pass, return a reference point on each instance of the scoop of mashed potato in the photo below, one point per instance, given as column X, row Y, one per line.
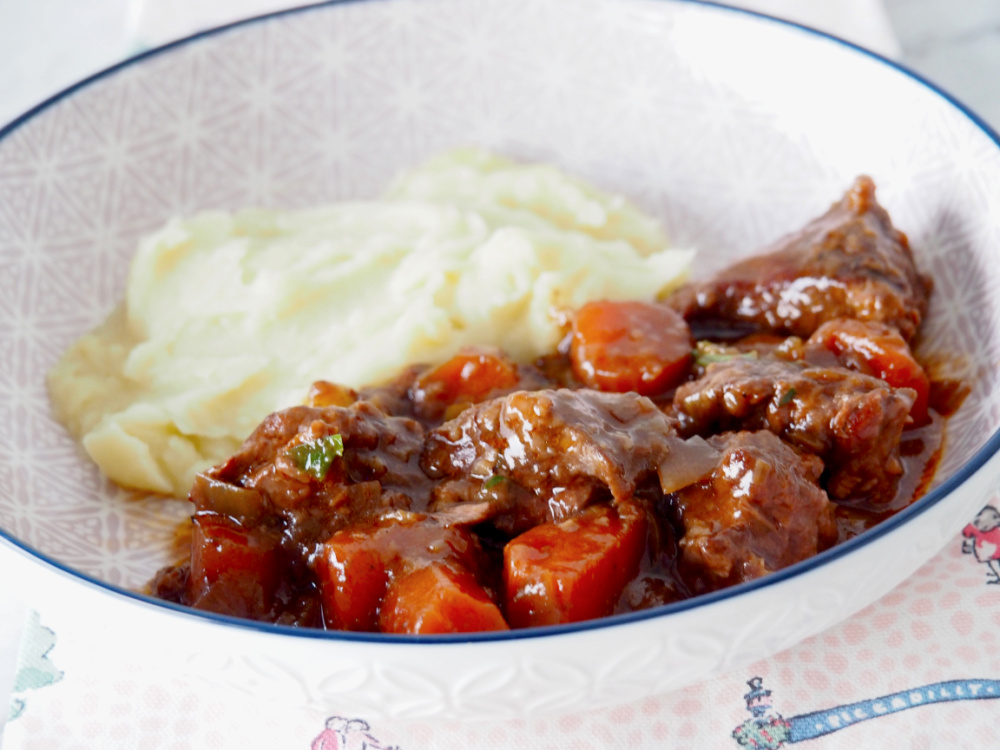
column 228, row 317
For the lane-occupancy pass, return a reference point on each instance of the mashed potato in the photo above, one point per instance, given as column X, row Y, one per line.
column 227, row 318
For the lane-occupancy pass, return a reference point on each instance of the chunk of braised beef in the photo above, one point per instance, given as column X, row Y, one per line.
column 760, row 510
column 852, row 421
column 849, row 263
column 171, row 583
column 378, row 470
column 539, row 457
column 377, row 447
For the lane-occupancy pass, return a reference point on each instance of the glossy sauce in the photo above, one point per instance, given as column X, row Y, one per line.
column 663, row 451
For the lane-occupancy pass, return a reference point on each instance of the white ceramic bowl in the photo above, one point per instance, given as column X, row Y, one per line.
column 732, row 127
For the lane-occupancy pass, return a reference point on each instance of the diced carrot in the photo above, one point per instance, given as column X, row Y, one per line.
column 470, row 376
column 439, row 598
column 233, row 570
column 573, row 570
column 352, row 578
column 357, row 564
column 630, row 346
column 878, row 350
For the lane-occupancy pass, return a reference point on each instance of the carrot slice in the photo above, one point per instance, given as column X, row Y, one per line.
column 471, row 375
column 573, row 570
column 880, row 351
column 439, row 599
column 630, row 346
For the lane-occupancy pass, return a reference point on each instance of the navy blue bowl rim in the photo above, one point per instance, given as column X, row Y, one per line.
column 965, row 472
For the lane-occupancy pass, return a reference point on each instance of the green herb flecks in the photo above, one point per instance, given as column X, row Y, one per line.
column 493, row 481
column 787, row 397
column 316, row 457
column 708, row 352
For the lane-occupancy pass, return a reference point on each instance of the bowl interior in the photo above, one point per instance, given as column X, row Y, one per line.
column 691, row 110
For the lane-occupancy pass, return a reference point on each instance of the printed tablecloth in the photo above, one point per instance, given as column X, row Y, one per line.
column 918, row 669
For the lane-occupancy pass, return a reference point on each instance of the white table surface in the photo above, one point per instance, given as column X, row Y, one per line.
column 46, row 45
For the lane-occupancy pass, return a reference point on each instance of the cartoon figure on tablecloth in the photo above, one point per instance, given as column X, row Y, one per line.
column 982, row 539
column 34, row 668
column 347, row 734
column 766, row 729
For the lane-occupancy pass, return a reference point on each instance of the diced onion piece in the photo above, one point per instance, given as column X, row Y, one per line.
column 241, row 503
column 687, row 462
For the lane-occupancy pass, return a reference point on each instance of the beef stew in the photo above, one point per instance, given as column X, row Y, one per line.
column 667, row 449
